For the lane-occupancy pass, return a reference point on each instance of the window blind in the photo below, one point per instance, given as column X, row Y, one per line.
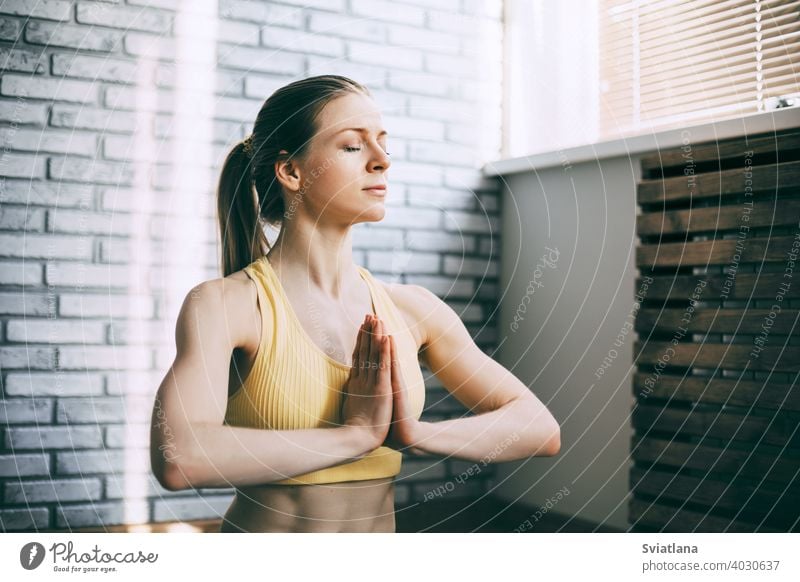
column 665, row 63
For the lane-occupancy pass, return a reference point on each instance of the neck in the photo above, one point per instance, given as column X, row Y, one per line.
column 319, row 256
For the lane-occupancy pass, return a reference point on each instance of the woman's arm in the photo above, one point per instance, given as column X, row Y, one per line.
column 190, row 446
column 511, row 422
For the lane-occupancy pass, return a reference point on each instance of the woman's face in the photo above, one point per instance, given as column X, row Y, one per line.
column 342, row 161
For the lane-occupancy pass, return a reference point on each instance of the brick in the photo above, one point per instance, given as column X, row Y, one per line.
column 28, row 357
column 127, row 436
column 409, row 127
column 55, row 332
column 441, row 109
column 45, row 246
column 455, row 66
column 146, row 19
column 86, row 222
column 19, row 303
column 141, row 332
column 10, row 29
column 103, row 461
column 372, row 76
column 304, row 42
column 128, row 99
column 441, row 242
column 106, row 409
column 93, row 171
column 35, row 140
column 81, row 275
column 470, row 267
column 260, row 87
column 348, row 27
column 260, row 59
column 423, row 83
column 139, row 383
column 335, row 5
column 23, row 166
column 51, row 89
column 427, row 40
column 20, row 273
column 22, row 60
column 443, row 153
column 69, row 116
column 99, row 357
column 95, row 68
column 144, row 484
column 470, row 179
column 416, row 173
column 58, row 384
column 405, row 262
column 191, row 78
column 54, row 437
column 26, row 410
column 226, row 132
column 412, row 218
column 23, row 112
column 23, row 465
column 443, row 198
column 129, row 512
column 48, row 9
column 180, row 509
column 261, row 12
column 465, row 25
column 468, row 312
column 471, row 222
column 13, row 218
column 41, row 193
column 388, row 10
column 52, row 490
column 374, row 54
column 377, row 238
column 70, row 36
column 106, row 305
column 24, row 519
column 444, row 286
column 489, row 247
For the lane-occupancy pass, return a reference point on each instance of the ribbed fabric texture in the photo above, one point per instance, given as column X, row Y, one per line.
column 294, row 384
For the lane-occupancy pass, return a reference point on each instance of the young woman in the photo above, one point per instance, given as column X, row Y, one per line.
column 297, row 377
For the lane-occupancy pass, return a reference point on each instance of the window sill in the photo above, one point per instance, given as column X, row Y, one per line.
column 775, row 120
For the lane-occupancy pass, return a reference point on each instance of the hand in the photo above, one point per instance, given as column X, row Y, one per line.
column 405, row 427
column 367, row 401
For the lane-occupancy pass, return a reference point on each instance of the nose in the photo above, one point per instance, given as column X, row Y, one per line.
column 380, row 160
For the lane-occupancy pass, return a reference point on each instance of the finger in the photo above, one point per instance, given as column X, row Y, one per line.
column 357, row 349
column 374, row 347
column 386, row 363
column 363, row 351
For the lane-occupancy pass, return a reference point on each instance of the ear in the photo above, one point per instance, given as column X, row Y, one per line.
column 287, row 172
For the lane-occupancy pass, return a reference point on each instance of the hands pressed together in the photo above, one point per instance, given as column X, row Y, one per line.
column 375, row 396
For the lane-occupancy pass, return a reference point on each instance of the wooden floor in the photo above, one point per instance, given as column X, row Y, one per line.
column 460, row 516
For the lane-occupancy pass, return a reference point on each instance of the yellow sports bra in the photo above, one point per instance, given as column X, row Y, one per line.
column 294, row 384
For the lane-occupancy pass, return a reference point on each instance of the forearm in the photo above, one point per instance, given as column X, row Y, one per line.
column 514, row 431
column 229, row 456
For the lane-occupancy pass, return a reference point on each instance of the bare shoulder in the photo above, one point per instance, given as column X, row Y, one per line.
column 418, row 306
column 227, row 303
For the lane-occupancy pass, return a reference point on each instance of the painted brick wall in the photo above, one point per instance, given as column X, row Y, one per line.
column 100, row 104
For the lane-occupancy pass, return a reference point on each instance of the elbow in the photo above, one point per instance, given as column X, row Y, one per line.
column 553, row 444
column 169, row 473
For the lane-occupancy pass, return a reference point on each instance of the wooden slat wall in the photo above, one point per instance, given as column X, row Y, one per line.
column 716, row 443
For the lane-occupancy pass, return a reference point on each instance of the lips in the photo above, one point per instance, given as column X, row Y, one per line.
column 378, row 188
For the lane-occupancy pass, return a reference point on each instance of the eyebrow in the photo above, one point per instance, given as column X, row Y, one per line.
column 360, row 129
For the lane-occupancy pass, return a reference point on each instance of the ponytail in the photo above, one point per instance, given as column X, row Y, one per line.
column 240, row 225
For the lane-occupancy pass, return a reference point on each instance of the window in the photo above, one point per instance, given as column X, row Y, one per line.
column 657, row 64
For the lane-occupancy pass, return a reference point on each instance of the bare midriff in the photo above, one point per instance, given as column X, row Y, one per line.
column 349, row 506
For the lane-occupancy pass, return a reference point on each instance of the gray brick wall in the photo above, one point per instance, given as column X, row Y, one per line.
column 94, row 130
